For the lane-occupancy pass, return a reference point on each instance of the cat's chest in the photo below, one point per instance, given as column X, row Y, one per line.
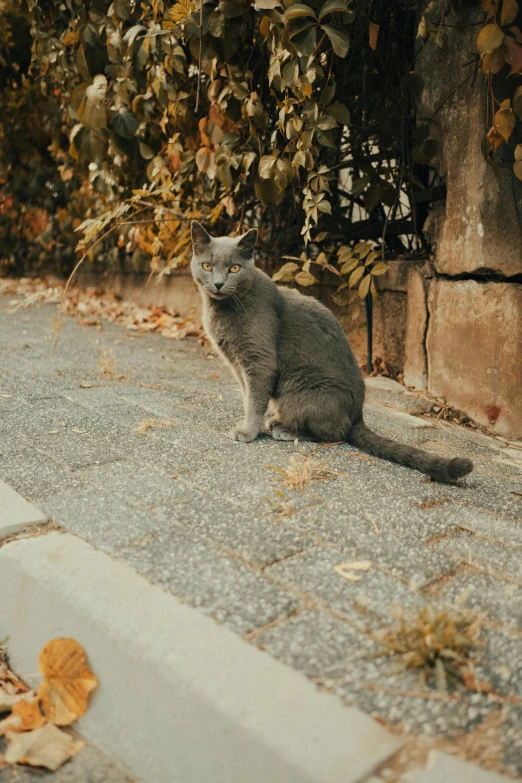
column 227, row 332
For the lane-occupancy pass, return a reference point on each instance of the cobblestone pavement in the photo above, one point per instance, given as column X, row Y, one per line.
column 135, row 461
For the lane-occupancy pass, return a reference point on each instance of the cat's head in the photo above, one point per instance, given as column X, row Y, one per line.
column 222, row 266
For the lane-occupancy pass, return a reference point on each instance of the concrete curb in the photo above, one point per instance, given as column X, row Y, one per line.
column 442, row 768
column 15, row 512
column 180, row 698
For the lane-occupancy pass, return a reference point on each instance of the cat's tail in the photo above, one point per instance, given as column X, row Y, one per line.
column 438, row 468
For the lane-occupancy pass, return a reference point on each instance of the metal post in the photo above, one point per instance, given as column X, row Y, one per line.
column 369, row 325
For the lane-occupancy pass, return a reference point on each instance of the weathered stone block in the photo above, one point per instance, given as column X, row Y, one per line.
column 389, row 325
column 474, row 347
column 415, row 358
column 481, row 226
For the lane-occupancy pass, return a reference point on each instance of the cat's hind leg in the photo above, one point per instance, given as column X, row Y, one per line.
column 320, row 413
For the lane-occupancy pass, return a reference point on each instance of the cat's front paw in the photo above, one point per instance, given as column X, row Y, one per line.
column 245, row 436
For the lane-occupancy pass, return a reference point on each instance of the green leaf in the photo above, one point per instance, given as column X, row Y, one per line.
column 338, row 38
column 231, row 8
column 305, row 278
column 334, row 7
column 297, row 10
column 303, row 35
column 339, row 112
column 364, row 286
column 517, row 102
column 326, row 122
column 125, row 123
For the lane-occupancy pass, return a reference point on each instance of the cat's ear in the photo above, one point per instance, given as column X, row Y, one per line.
column 247, row 243
column 200, row 239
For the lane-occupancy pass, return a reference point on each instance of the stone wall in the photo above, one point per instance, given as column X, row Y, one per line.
column 464, row 315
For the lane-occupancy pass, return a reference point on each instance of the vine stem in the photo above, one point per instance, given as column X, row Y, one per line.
column 200, row 53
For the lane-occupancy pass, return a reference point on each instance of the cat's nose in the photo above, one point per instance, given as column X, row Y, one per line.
column 219, row 286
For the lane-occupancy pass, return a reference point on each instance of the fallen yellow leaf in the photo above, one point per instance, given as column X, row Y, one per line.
column 45, row 747
column 29, row 713
column 68, row 681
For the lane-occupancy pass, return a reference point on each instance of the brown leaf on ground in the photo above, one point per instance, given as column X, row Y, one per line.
column 25, row 716
column 47, row 747
column 29, row 713
column 12, row 689
column 152, row 424
column 68, row 681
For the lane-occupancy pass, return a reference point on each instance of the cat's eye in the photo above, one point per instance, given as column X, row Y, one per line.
column 207, row 267
column 235, row 268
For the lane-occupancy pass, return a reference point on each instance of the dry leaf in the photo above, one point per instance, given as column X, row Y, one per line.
column 358, row 565
column 45, row 747
column 11, row 723
column 8, row 700
column 374, row 34
column 29, row 713
column 68, row 681
column 344, row 569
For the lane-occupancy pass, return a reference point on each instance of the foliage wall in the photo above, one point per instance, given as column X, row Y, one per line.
column 295, row 117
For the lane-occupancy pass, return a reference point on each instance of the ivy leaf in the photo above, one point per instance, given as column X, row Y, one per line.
column 125, row 123
column 231, row 8
column 509, row 11
column 517, row 165
column 365, row 286
column 305, row 278
column 489, row 39
column 303, row 35
column 266, row 5
column 327, row 122
column 132, row 32
column 338, row 38
column 266, row 165
column 517, row 102
column 145, row 151
column 297, row 10
column 335, row 7
column 505, row 121
column 513, row 57
column 339, row 112
column 286, row 273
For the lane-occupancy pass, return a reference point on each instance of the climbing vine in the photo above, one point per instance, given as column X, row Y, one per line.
column 299, row 118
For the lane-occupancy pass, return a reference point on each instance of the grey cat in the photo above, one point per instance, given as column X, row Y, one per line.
column 291, row 358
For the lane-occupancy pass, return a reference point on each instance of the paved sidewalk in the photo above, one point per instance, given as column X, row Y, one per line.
column 135, row 461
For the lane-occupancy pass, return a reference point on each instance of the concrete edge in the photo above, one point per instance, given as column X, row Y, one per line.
column 442, row 768
column 15, row 512
column 180, row 697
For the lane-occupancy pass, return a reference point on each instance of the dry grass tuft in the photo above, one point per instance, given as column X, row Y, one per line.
column 439, row 644
column 302, row 470
column 152, row 424
column 279, row 505
column 107, row 364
